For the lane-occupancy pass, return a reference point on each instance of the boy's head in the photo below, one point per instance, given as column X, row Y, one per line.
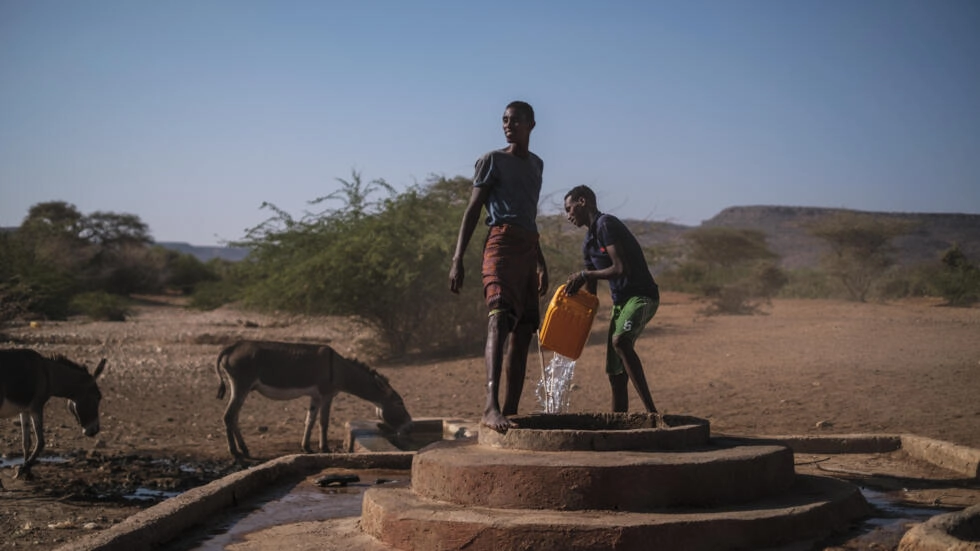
column 524, row 108
column 518, row 122
column 580, row 203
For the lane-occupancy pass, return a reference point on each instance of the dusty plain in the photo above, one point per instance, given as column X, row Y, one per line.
column 799, row 367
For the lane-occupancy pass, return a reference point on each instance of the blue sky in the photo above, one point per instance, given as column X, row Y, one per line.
column 190, row 114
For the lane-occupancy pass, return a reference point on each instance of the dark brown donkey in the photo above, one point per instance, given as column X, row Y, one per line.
column 28, row 380
column 285, row 371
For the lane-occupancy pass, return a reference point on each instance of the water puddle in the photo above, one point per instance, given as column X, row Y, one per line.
column 891, row 518
column 17, row 461
column 890, row 508
column 147, row 494
column 303, row 502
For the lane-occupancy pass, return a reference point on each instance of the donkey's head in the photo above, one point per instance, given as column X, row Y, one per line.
column 395, row 415
column 85, row 399
column 391, row 408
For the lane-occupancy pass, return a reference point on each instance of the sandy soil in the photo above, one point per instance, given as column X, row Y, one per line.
column 802, row 367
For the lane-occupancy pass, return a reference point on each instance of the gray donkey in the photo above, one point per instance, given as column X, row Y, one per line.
column 28, row 380
column 285, row 371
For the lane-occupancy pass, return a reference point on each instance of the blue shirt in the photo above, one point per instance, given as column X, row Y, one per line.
column 514, row 184
column 636, row 279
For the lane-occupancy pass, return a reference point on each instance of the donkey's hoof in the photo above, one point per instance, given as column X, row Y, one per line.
column 23, row 473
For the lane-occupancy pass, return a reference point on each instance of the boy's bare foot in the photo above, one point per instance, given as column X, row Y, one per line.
column 495, row 420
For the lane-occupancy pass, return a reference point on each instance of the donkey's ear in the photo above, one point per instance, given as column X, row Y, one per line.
column 98, row 370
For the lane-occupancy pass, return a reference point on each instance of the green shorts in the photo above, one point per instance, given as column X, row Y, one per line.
column 628, row 320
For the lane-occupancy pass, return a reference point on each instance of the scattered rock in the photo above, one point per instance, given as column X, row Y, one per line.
column 63, row 525
column 336, row 480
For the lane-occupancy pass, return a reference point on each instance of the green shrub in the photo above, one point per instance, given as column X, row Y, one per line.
column 185, row 272
column 100, row 305
column 209, row 295
column 959, row 281
column 809, row 283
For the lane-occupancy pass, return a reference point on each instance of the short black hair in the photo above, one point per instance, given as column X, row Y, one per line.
column 579, row 192
column 524, row 108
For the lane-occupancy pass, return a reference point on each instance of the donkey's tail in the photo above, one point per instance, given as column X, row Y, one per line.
column 217, row 370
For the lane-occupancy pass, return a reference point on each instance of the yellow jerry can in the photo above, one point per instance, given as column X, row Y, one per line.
column 568, row 322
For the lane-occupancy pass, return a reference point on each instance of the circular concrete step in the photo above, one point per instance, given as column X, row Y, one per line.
column 812, row 508
column 726, row 471
column 599, row 432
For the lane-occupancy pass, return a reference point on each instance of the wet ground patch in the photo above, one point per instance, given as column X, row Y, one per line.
column 80, row 492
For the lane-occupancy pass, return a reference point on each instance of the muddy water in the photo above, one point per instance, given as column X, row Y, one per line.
column 889, row 522
column 306, row 501
column 16, row 461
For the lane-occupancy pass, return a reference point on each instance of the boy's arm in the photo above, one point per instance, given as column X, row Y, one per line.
column 591, row 276
column 591, row 285
column 542, row 273
column 466, row 228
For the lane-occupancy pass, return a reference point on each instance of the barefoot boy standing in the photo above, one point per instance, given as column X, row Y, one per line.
column 612, row 252
column 507, row 182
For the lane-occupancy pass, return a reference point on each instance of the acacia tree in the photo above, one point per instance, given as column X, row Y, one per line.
column 43, row 260
column 58, row 252
column 379, row 257
column 860, row 248
column 733, row 267
column 52, row 234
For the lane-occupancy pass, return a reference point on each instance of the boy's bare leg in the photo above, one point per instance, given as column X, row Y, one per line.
column 516, row 366
column 497, row 330
column 620, row 396
column 634, row 368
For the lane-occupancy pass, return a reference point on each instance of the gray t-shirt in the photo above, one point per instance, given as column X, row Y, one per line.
column 515, row 185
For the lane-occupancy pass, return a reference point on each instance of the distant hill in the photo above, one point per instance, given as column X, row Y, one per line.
column 203, row 253
column 785, row 228
column 233, row 254
column 786, row 233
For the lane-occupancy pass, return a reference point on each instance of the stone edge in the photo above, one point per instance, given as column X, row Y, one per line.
column 935, row 534
column 170, row 518
column 952, row 457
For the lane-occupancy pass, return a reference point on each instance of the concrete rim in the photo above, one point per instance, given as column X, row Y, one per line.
column 598, row 432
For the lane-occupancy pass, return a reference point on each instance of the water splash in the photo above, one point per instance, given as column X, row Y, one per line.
column 554, row 388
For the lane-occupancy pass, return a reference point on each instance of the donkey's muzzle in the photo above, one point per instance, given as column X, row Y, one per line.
column 91, row 430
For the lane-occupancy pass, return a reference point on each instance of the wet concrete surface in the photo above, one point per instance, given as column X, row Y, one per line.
column 304, row 502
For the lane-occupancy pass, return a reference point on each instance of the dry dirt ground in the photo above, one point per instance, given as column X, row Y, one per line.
column 801, row 367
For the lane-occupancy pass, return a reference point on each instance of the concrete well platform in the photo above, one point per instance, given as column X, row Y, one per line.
column 606, row 481
column 918, row 471
column 812, row 508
